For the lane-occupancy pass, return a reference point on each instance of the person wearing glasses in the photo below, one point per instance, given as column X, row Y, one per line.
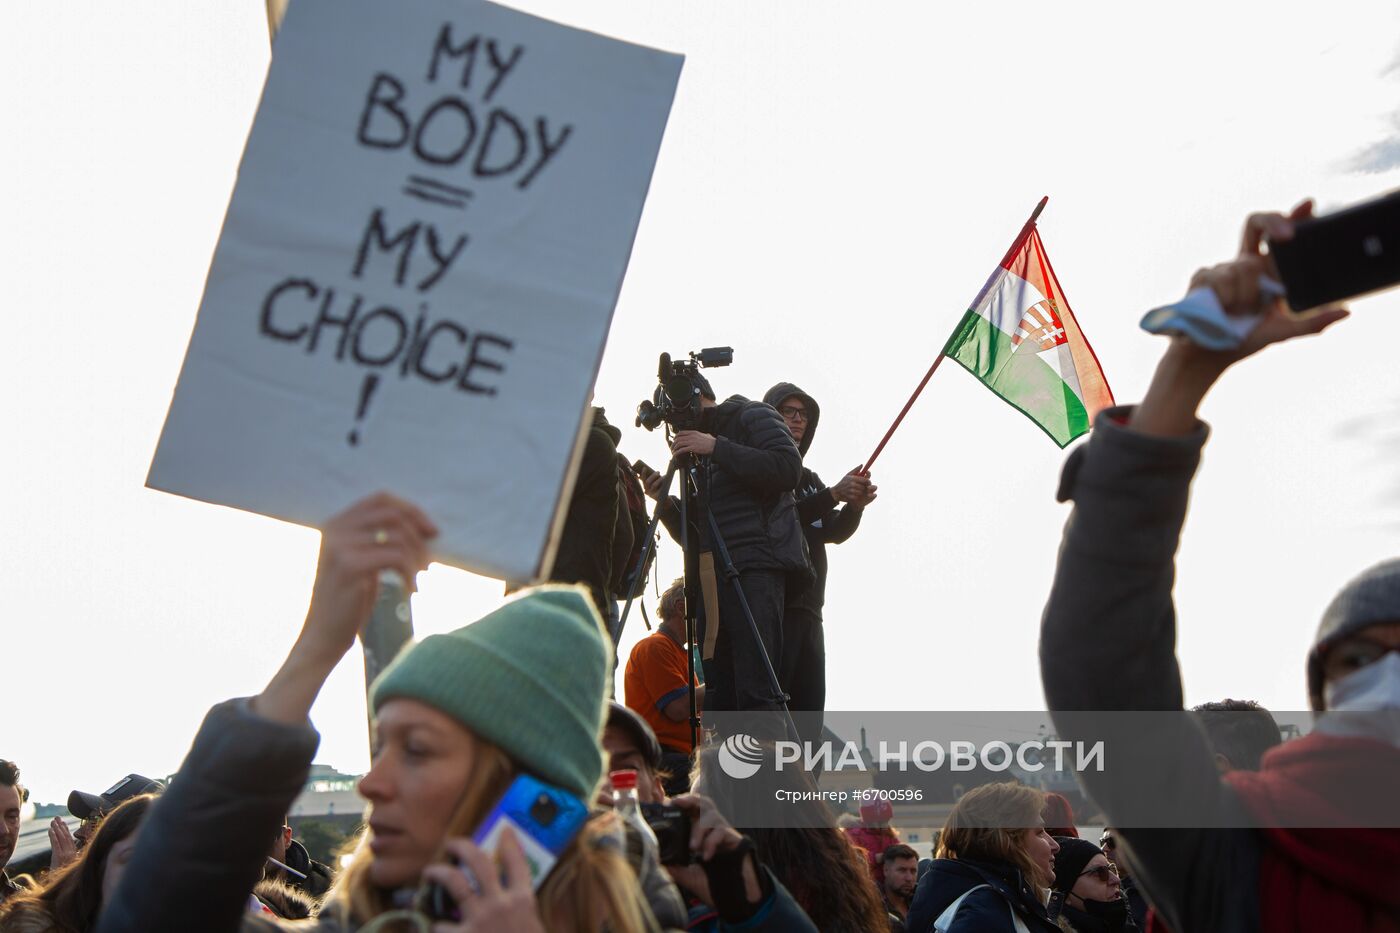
column 1093, row 899
column 828, row 515
column 1137, row 901
column 752, row 466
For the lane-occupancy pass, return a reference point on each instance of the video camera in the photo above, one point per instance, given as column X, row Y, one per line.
column 677, row 398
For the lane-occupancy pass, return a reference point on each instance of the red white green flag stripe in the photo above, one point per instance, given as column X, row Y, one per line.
column 1022, row 341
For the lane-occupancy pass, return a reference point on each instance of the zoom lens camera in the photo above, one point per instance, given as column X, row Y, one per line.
column 679, row 388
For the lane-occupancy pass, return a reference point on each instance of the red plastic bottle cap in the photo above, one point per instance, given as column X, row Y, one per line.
column 625, row 779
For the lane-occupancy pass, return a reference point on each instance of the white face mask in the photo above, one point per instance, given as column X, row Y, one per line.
column 1369, row 700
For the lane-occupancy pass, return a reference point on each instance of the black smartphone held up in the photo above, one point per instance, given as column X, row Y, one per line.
column 672, row 828
column 1342, row 255
column 642, row 469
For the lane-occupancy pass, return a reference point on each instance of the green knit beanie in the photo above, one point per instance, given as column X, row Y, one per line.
column 530, row 678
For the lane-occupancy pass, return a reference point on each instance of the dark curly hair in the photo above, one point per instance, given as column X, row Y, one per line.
column 9, row 776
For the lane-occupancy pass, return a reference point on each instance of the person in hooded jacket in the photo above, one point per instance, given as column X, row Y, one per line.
column 587, row 551
column 1311, row 841
column 994, row 868
column 1093, row 900
column 829, row 515
column 752, row 466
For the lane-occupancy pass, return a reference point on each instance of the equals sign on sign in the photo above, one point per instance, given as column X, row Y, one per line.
column 437, row 192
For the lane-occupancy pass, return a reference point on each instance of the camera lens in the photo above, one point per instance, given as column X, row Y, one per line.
column 544, row 810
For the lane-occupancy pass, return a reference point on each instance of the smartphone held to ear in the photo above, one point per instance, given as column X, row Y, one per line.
column 545, row 820
column 1342, row 255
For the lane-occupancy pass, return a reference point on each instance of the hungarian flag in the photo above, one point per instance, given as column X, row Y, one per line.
column 1022, row 341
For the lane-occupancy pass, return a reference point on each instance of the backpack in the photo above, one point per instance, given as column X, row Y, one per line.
column 631, row 516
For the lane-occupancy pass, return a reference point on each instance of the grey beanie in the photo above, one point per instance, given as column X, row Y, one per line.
column 1369, row 599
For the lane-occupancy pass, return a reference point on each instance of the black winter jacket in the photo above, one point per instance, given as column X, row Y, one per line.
column 585, row 552
column 752, row 473
column 988, row 910
column 822, row 521
column 319, row 877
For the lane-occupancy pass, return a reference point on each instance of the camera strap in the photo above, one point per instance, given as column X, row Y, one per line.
column 709, row 592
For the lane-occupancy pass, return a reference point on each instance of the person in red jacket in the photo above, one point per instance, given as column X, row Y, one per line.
column 1311, row 841
column 874, row 834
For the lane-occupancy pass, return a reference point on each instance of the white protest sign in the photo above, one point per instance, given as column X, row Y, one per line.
column 417, row 271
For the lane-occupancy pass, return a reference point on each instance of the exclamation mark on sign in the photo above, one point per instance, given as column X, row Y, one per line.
column 366, row 391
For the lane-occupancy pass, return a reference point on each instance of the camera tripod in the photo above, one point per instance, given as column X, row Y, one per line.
column 694, row 500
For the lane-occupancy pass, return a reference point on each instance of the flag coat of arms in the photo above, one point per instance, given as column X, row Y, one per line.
column 1021, row 340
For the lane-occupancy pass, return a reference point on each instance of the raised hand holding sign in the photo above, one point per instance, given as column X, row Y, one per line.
column 417, row 272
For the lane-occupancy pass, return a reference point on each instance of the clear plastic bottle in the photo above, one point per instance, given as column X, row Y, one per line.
column 628, row 806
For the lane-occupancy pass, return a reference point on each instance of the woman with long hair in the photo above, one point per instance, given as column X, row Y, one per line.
column 456, row 718
column 810, row 854
column 994, row 867
column 72, row 896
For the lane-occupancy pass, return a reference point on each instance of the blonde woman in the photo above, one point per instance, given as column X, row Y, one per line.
column 457, row 718
column 994, row 868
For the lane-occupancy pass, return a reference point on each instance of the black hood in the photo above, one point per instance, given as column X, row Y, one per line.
column 600, row 421
column 298, row 858
column 786, row 390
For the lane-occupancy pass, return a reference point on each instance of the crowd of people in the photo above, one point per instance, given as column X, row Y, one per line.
column 522, row 697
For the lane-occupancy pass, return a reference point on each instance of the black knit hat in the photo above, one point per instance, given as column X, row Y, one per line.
column 1369, row 599
column 1074, row 854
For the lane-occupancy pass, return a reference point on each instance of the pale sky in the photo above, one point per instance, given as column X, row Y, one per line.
column 836, row 182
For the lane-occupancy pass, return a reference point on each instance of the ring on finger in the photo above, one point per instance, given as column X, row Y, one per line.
column 381, row 536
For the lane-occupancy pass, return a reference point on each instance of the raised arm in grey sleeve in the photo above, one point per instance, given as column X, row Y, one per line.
column 1107, row 642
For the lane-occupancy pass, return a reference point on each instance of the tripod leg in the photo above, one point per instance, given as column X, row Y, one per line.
column 647, row 548
column 732, row 573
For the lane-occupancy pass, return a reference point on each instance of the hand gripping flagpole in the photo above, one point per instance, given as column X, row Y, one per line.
column 1015, row 246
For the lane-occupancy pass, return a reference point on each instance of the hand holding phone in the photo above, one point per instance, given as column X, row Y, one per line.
column 651, row 480
column 495, row 893
column 539, row 819
column 1342, row 255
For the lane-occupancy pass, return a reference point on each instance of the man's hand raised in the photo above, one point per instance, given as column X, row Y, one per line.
column 855, row 488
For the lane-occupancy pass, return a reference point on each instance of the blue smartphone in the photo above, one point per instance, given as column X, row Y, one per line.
column 545, row 819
